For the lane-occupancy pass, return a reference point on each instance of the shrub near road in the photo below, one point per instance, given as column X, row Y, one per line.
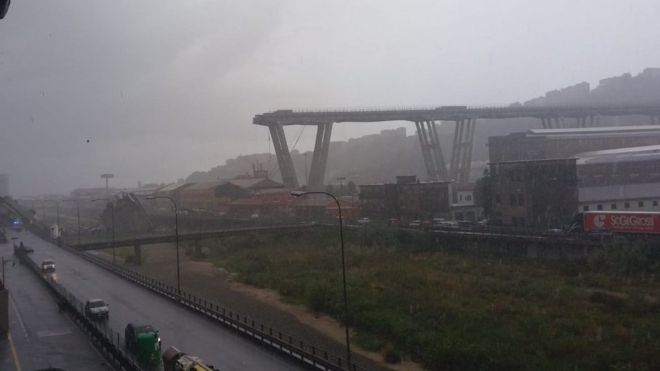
column 453, row 311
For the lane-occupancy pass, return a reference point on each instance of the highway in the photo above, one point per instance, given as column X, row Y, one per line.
column 39, row 335
column 177, row 326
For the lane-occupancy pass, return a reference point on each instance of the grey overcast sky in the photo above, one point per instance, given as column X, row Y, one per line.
column 162, row 88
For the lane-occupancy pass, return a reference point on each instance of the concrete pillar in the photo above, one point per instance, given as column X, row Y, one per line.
column 320, row 157
column 557, row 122
column 284, row 160
column 440, row 165
column 426, row 153
column 461, row 158
column 468, row 144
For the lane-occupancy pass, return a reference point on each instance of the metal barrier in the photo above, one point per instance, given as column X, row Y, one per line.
column 108, row 342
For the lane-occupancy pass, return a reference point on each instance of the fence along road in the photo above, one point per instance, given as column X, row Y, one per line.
column 178, row 326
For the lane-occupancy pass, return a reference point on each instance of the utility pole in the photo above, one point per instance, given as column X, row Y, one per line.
column 107, row 177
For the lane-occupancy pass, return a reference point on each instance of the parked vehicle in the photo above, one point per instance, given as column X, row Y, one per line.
column 176, row 360
column 394, row 222
column 97, row 309
column 48, row 266
column 448, row 224
column 415, row 224
column 437, row 222
column 364, row 221
column 143, row 341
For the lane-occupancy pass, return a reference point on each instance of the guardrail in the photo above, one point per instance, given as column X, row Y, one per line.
column 103, row 338
column 272, row 338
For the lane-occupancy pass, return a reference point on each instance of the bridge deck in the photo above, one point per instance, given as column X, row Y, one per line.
column 291, row 117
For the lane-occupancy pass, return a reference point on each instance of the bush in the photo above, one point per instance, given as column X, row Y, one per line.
column 319, row 296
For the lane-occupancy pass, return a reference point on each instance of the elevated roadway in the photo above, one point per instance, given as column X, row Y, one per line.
column 448, row 113
column 551, row 117
column 177, row 326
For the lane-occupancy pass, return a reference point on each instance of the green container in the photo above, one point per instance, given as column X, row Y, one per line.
column 148, row 348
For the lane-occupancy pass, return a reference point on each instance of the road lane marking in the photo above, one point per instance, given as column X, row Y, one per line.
column 17, row 363
column 47, row 333
column 18, row 315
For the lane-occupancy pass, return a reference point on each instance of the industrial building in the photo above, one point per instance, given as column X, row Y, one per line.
column 407, row 199
column 548, row 193
column 625, row 179
column 540, row 144
column 537, row 193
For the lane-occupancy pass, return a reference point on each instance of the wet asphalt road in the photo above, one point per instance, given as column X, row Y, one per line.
column 41, row 336
column 177, row 326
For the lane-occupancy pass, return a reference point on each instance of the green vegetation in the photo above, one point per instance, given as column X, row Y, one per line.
column 464, row 311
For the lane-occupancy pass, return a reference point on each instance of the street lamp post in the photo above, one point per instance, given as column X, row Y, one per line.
column 176, row 233
column 343, row 267
column 112, row 218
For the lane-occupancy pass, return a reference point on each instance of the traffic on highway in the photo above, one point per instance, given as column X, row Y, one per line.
column 130, row 304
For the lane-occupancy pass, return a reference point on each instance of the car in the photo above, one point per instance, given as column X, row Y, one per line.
column 364, row 221
column 448, row 224
column 466, row 225
column 415, row 223
column 394, row 222
column 48, row 266
column 554, row 231
column 97, row 309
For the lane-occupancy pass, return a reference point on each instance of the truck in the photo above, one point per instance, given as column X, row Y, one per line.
column 143, row 342
column 176, row 360
column 55, row 232
column 623, row 222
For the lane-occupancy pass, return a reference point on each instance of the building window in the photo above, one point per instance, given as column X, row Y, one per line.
column 521, row 199
column 613, row 206
column 585, row 208
column 498, row 199
column 599, row 207
column 626, row 205
column 655, row 202
column 522, row 222
column 468, row 198
column 640, row 204
column 512, row 199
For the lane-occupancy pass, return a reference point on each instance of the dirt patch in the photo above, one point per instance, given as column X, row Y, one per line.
column 203, row 279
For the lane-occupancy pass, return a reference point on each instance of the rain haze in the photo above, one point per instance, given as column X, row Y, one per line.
column 154, row 90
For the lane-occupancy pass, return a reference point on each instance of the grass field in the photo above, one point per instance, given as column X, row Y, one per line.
column 455, row 311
